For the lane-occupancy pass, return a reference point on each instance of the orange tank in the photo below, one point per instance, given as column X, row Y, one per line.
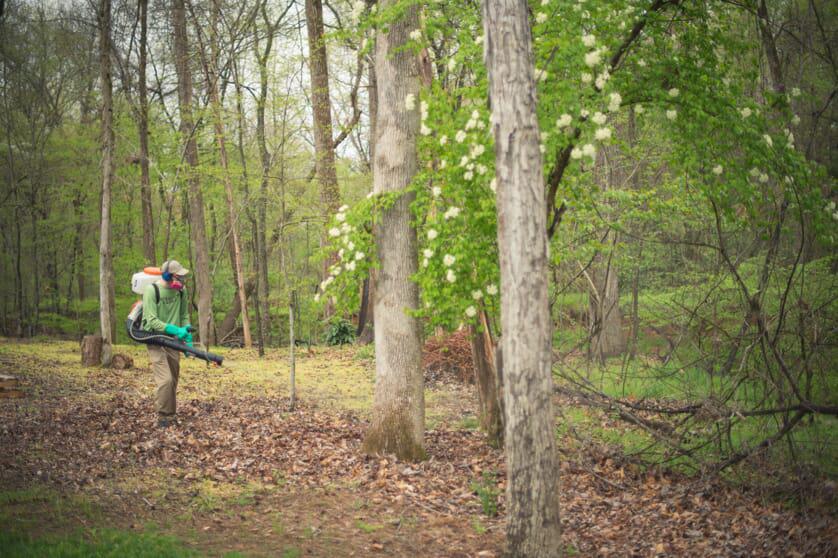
column 152, row 270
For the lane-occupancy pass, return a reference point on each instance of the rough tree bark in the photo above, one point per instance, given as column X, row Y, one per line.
column 203, row 284
column 107, row 316
column 322, row 108
column 605, row 320
column 486, row 377
column 145, row 180
column 533, row 527
column 398, row 420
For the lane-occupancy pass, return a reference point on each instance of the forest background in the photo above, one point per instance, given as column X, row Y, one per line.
column 688, row 150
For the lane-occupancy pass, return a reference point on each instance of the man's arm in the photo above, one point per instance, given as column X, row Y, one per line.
column 150, row 320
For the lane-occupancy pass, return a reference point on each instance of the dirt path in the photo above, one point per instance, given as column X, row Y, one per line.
column 242, row 473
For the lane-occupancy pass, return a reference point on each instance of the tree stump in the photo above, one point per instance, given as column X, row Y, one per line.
column 122, row 362
column 91, row 350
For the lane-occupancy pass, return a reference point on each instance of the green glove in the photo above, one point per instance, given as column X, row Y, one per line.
column 179, row 332
column 189, row 339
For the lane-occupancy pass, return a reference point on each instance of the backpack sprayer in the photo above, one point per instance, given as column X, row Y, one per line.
column 133, row 324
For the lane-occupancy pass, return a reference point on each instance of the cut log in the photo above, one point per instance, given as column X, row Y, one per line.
column 91, row 350
column 10, row 394
column 122, row 362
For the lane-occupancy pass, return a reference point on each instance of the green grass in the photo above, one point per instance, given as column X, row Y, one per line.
column 93, row 543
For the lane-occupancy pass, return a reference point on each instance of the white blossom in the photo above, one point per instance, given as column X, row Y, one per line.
column 428, row 253
column 340, row 253
column 443, row 163
column 460, row 137
column 464, row 160
column 588, row 40
column 450, row 276
column 410, row 101
column 575, row 153
column 603, row 134
column 795, row 120
column 345, row 228
column 416, row 34
column 493, row 185
column 540, row 75
column 492, row 290
column 425, row 262
column 541, row 17
column 718, row 169
column 423, row 108
column 763, row 178
column 481, row 169
column 639, row 109
column 468, row 175
column 452, row 64
column 340, row 217
column 768, row 140
column 584, row 113
column 480, row 124
column 359, row 256
column 350, row 266
column 448, row 260
column 754, row 172
column 436, row 191
column 478, row 40
column 745, row 112
column 615, row 100
column 477, row 295
column 589, row 150
column 432, row 234
column 351, row 245
column 672, row 114
column 602, row 79
column 641, row 63
column 795, row 92
column 424, row 130
column 674, row 92
column 593, row 58
column 443, row 140
column 334, row 232
column 587, row 78
column 471, row 312
column 358, row 8
column 471, row 124
column 564, row 120
column 343, row 208
column 599, row 118
column 477, row 149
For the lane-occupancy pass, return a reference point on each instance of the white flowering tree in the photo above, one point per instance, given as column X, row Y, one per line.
column 723, row 157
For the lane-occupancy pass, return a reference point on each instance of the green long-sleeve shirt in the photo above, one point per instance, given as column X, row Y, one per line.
column 173, row 308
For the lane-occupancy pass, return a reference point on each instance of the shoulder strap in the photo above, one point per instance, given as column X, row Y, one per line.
column 156, row 293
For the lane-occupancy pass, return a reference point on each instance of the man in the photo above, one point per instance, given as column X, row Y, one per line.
column 166, row 310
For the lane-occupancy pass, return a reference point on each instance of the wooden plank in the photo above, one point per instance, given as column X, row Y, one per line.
column 11, row 394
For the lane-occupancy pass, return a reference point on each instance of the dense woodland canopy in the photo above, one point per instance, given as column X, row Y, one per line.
column 689, row 204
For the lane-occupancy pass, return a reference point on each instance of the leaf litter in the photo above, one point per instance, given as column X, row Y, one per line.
column 608, row 508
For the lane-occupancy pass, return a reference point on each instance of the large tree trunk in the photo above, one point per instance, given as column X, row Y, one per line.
column 107, row 317
column 145, row 180
column 324, row 152
column 533, row 527
column 212, row 73
column 398, row 420
column 197, row 224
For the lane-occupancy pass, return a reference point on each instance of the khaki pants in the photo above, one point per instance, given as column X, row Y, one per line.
column 165, row 364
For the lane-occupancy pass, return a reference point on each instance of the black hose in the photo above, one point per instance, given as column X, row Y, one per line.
column 162, row 340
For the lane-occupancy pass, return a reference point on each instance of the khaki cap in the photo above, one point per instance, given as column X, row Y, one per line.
column 174, row 267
